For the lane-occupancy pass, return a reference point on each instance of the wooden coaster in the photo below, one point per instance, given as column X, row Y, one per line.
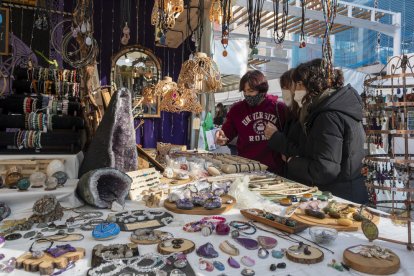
column 157, row 233
column 171, row 206
column 186, row 247
column 371, row 265
column 316, row 255
column 47, row 263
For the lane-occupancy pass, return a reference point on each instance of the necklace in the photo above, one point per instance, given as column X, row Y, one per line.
column 225, row 26
column 279, row 33
column 302, row 26
column 85, row 216
column 329, row 13
column 254, row 10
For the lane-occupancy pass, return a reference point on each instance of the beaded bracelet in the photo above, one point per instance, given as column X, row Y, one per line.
column 194, row 226
column 242, row 227
column 214, row 219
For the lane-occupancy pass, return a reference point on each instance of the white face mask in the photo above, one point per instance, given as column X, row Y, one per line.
column 299, row 94
column 287, row 97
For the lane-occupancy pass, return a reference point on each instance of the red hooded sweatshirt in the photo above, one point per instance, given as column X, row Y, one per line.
column 249, row 123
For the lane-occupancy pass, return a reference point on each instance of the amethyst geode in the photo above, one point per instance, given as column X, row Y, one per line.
column 101, row 187
column 207, row 251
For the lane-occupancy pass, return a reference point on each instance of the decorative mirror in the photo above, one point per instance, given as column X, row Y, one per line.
column 137, row 68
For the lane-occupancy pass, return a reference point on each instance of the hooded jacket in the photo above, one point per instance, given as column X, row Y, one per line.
column 333, row 147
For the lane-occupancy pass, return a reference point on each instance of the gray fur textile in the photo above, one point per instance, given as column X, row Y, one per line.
column 114, row 142
column 101, row 187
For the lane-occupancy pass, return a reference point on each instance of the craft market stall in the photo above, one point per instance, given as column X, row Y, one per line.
column 108, row 147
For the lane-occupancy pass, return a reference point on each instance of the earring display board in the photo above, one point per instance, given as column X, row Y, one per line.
column 106, row 253
column 140, row 219
column 46, row 264
column 142, row 180
column 4, row 31
column 373, row 265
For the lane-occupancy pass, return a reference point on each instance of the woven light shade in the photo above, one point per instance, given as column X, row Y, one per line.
column 190, row 101
column 164, row 85
column 201, row 74
column 171, row 101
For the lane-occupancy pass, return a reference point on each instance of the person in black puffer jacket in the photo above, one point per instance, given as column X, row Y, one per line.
column 286, row 141
column 331, row 117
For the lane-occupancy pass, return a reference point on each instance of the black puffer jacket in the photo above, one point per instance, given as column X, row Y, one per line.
column 334, row 147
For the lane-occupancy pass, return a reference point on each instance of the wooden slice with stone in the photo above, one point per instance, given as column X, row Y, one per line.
column 186, row 247
column 46, row 264
column 298, row 256
column 371, row 265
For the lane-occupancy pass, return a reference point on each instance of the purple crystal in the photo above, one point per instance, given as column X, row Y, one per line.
column 233, row 263
column 184, row 204
column 247, row 243
column 198, row 200
column 59, row 250
column 11, row 261
column 267, row 242
column 247, row 261
column 2, row 256
column 222, row 229
column 8, row 269
column 207, row 251
column 213, row 203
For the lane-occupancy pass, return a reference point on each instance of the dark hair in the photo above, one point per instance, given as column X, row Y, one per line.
column 286, row 79
column 314, row 78
column 256, row 80
column 222, row 110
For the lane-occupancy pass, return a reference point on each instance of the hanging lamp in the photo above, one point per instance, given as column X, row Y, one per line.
column 201, row 74
column 163, row 86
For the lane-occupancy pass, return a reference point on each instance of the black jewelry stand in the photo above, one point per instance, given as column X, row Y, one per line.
column 58, row 122
column 14, row 104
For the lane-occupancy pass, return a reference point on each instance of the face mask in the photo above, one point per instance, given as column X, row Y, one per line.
column 299, row 94
column 254, row 100
column 287, row 97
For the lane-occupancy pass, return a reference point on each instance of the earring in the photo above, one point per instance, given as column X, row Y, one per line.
column 45, row 24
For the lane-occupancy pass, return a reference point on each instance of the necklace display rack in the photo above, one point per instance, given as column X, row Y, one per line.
column 388, row 112
column 140, row 219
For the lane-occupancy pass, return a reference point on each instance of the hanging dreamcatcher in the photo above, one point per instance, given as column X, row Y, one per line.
column 302, row 41
column 279, row 30
column 329, row 8
column 225, row 26
column 254, row 10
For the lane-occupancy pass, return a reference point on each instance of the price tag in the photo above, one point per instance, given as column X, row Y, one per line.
column 393, row 131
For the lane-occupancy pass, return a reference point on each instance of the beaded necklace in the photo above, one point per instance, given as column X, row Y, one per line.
column 279, row 32
column 254, row 10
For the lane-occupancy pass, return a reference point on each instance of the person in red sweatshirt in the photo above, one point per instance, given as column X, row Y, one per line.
column 247, row 119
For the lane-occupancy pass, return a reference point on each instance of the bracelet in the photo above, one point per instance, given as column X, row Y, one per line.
column 214, row 219
column 242, row 227
column 194, row 226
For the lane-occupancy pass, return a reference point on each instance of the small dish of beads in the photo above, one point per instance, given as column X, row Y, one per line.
column 323, row 235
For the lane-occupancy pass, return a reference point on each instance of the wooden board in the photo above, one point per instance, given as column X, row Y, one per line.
column 299, row 225
column 316, row 255
column 47, row 263
column 371, row 265
column 186, row 248
column 201, row 210
column 330, row 222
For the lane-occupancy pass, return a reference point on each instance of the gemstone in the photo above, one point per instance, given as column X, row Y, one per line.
column 207, row 251
column 180, row 263
column 29, row 234
column 61, row 177
column 293, row 198
column 8, row 269
column 247, row 243
column 262, row 253
column 11, row 261
column 285, row 202
column 233, row 263
column 272, row 267
column 42, row 225
column 2, row 256
column 198, row 200
column 177, row 272
column 104, row 231
column 247, row 272
column 222, row 229
column 71, row 230
column 267, row 242
column 206, row 231
column 213, row 203
column 184, row 204
column 235, row 233
column 2, row 241
column 322, row 197
column 328, row 194
column 205, row 265
column 218, row 265
column 247, row 261
column 277, row 254
column 23, row 184
column 281, row 265
column 37, row 254
column 229, row 248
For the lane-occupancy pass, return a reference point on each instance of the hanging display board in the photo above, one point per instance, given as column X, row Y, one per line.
column 4, row 31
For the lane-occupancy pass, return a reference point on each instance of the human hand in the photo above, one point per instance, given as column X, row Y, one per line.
column 270, row 129
column 221, row 138
column 284, row 157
